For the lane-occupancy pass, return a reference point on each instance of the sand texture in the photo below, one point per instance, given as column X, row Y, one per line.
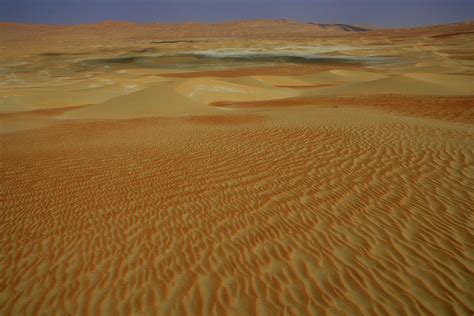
column 284, row 175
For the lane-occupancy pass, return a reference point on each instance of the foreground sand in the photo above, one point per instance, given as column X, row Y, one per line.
column 285, row 189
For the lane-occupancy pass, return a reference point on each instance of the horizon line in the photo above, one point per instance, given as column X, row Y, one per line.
column 232, row 21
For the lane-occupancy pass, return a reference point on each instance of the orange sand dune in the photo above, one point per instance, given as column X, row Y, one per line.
column 205, row 216
column 457, row 109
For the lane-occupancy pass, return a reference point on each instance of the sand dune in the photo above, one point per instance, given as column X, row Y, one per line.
column 296, row 175
column 338, row 77
column 456, row 109
column 152, row 101
column 357, row 76
column 144, row 216
column 461, row 83
column 398, row 85
column 208, row 90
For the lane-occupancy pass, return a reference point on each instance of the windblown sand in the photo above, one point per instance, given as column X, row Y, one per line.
column 332, row 189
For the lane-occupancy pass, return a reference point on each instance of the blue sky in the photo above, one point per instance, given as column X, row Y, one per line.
column 369, row 12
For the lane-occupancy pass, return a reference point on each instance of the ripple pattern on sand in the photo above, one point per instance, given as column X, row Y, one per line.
column 155, row 216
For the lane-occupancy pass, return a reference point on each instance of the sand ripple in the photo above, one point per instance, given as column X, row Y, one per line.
column 159, row 216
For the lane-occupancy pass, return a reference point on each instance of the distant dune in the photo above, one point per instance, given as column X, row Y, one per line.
column 237, row 29
column 243, row 28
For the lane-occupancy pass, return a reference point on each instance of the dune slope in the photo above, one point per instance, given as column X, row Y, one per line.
column 202, row 217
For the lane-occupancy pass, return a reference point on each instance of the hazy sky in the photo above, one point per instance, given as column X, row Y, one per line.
column 370, row 12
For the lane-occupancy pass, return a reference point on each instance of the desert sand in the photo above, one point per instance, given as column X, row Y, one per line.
column 242, row 168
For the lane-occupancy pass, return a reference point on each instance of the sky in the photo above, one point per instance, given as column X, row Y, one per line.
column 384, row 13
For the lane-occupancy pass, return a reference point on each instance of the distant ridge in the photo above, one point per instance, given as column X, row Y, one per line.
column 277, row 28
column 233, row 29
column 345, row 27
